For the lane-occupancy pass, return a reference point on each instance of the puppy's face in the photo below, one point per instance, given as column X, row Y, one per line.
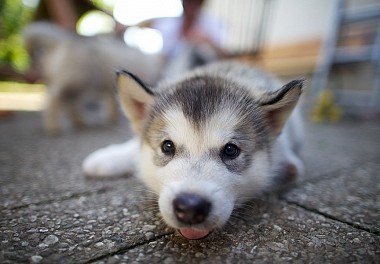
column 205, row 147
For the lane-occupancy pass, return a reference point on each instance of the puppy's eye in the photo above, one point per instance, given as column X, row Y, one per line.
column 168, row 147
column 231, row 151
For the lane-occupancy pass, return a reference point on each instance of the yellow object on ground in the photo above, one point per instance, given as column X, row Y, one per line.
column 325, row 108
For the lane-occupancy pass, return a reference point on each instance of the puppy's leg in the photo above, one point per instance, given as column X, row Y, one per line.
column 52, row 114
column 111, row 161
column 74, row 115
column 112, row 108
column 289, row 165
column 290, row 168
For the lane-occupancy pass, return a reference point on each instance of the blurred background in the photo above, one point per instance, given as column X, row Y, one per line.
column 334, row 44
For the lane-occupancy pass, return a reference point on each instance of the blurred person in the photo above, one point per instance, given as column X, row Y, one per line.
column 190, row 40
column 194, row 26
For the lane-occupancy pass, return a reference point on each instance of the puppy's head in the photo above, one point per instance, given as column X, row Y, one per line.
column 40, row 39
column 205, row 145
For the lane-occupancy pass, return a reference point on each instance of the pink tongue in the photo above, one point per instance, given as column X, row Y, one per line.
column 192, row 233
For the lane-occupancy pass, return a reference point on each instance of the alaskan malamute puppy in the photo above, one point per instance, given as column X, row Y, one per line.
column 206, row 142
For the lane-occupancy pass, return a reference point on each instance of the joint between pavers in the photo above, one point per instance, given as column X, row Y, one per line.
column 323, row 176
column 316, row 211
column 125, row 249
column 61, row 199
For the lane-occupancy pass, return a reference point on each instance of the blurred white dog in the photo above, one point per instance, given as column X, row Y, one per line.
column 76, row 67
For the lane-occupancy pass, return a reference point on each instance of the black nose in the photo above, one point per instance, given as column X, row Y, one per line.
column 191, row 208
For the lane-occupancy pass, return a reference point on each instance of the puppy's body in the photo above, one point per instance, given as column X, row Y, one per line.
column 206, row 141
column 75, row 68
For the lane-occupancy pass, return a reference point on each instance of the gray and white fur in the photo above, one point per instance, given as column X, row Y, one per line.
column 206, row 141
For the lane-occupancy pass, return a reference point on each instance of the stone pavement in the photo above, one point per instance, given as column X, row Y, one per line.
column 49, row 212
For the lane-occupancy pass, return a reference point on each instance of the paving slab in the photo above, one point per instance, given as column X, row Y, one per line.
column 35, row 167
column 328, row 148
column 352, row 196
column 81, row 228
column 274, row 232
column 49, row 212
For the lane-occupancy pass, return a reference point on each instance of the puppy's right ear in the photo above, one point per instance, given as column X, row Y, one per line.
column 135, row 98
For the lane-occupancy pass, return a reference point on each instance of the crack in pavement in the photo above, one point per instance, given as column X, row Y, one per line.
column 126, row 248
column 61, row 198
column 316, row 211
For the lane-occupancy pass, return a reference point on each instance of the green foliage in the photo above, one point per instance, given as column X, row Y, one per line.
column 104, row 5
column 13, row 17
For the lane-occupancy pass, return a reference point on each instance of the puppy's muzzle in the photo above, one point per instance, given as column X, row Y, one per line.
column 191, row 208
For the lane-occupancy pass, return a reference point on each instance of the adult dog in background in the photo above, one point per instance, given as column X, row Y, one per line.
column 76, row 68
column 206, row 141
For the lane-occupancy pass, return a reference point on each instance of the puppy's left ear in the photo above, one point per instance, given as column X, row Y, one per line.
column 279, row 105
column 135, row 98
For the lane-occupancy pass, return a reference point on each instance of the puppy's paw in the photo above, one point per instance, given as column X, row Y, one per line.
column 290, row 170
column 107, row 162
column 52, row 130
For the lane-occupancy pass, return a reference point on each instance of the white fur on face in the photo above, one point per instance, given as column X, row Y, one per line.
column 189, row 175
column 215, row 133
column 198, row 172
column 202, row 176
